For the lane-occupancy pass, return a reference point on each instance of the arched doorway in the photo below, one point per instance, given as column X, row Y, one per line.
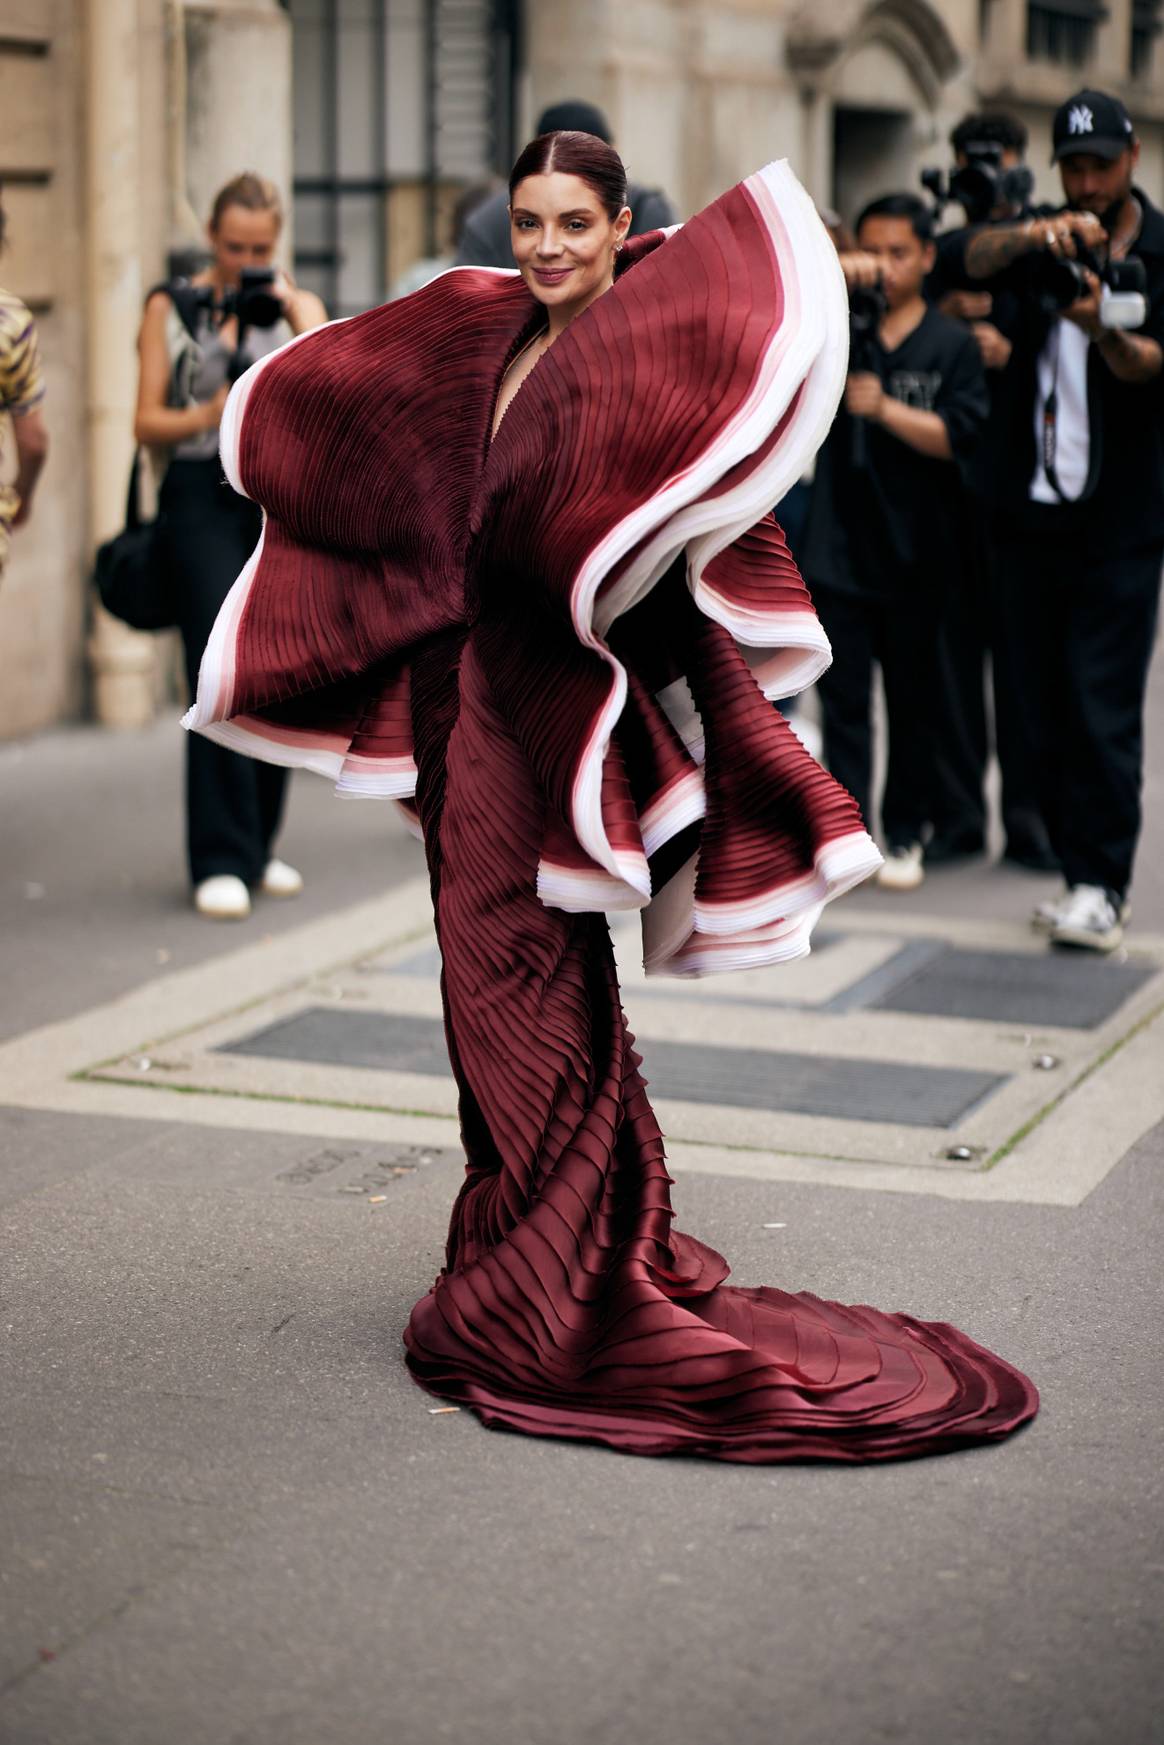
column 878, row 70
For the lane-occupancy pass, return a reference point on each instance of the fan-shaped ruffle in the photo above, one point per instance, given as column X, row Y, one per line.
column 642, row 455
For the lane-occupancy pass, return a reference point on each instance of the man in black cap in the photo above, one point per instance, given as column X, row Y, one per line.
column 1080, row 538
column 485, row 237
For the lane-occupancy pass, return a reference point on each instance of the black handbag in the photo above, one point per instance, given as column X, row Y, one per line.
column 134, row 582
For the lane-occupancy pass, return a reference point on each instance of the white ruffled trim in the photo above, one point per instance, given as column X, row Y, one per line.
column 682, row 936
column 679, row 805
column 688, row 937
column 839, row 865
column 588, row 891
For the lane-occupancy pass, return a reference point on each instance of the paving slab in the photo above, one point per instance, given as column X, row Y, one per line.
column 237, row 1519
column 915, row 1061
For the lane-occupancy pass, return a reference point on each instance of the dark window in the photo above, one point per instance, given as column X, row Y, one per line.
column 394, row 101
column 1146, row 27
column 1063, row 30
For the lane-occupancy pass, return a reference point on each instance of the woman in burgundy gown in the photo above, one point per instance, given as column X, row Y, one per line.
column 517, row 571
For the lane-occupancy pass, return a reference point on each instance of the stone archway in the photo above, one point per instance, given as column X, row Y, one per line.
column 819, row 40
column 868, row 69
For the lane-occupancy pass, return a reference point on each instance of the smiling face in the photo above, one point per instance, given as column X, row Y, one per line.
column 242, row 238
column 563, row 241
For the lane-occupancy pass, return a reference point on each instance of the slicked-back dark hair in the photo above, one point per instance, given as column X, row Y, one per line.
column 907, row 206
column 575, row 154
column 992, row 127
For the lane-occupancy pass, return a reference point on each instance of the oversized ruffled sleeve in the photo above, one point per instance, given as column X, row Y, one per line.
column 612, row 554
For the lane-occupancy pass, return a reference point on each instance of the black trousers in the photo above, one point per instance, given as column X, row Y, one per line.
column 977, row 659
column 1081, row 623
column 234, row 804
column 903, row 640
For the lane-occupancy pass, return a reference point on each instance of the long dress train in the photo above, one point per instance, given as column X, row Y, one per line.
column 561, row 650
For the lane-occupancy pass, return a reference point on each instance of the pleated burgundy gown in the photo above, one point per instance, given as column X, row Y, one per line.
column 559, row 651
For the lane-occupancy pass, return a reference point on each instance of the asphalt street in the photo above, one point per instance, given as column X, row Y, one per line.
column 229, row 1517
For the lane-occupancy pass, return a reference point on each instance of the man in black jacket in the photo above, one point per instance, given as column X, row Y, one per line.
column 485, row 237
column 1080, row 536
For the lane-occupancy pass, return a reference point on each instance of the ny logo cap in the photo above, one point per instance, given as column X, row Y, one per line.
column 1091, row 122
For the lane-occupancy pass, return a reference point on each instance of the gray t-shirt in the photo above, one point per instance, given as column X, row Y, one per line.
column 210, row 371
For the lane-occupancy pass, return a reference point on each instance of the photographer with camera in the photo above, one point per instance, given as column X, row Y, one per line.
column 993, row 186
column 197, row 336
column 878, row 554
column 1080, row 530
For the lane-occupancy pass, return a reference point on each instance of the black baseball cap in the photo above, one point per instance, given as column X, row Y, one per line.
column 574, row 116
column 1091, row 122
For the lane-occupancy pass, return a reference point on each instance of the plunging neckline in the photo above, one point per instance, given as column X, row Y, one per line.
column 493, row 428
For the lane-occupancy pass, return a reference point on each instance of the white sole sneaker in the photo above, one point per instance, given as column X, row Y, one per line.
column 1047, row 916
column 280, row 880
column 1088, row 938
column 223, row 898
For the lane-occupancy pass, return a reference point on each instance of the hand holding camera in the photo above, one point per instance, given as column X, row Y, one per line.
column 864, row 394
column 1067, row 235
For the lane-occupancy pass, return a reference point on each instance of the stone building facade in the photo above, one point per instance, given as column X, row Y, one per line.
column 119, row 118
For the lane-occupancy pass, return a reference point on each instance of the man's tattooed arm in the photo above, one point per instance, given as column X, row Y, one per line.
column 992, row 251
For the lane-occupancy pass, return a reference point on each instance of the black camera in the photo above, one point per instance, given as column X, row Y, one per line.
column 1124, row 285
column 252, row 300
column 867, row 307
column 981, row 184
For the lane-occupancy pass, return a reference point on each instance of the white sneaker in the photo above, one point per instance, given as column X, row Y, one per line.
column 1088, row 919
column 1045, row 916
column 223, row 898
column 902, row 869
column 281, row 880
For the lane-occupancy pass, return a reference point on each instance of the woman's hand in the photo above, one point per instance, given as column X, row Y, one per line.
column 302, row 310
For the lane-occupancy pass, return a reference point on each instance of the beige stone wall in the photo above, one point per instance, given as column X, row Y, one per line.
column 42, row 604
column 118, row 120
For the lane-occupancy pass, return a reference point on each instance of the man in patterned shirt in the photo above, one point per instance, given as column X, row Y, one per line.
column 21, row 393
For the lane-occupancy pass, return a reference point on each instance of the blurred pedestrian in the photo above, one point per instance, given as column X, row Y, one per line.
column 196, row 337
column 485, row 241
column 877, row 547
column 21, row 395
column 1080, row 537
